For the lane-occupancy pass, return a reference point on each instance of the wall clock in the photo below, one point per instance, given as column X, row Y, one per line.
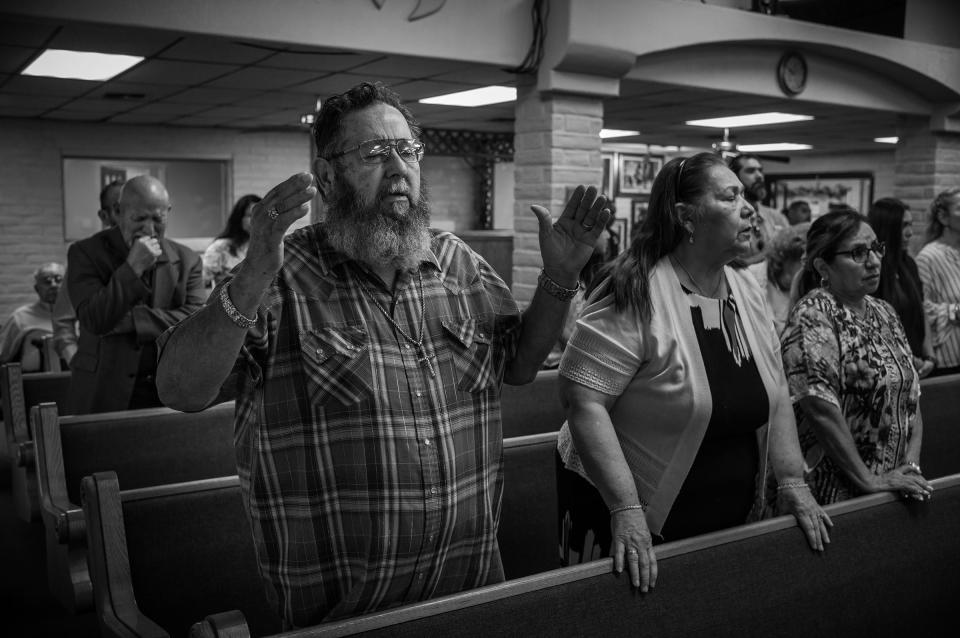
column 792, row 73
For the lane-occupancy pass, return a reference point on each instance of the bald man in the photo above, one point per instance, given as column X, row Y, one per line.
column 28, row 323
column 128, row 284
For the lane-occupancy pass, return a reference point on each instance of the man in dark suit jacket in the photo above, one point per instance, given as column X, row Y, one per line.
column 128, row 284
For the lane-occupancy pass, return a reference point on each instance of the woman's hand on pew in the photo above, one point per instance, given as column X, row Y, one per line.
column 811, row 518
column 632, row 545
column 907, row 480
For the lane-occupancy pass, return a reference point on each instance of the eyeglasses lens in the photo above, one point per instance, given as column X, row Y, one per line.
column 378, row 151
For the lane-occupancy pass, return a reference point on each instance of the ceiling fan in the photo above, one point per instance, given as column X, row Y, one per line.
column 727, row 148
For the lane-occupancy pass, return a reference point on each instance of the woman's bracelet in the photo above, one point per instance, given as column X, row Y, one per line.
column 792, row 485
column 235, row 315
column 624, row 508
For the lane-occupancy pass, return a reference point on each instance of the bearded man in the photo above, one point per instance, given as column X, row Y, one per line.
column 768, row 220
column 369, row 352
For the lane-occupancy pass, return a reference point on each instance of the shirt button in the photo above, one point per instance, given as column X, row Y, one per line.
column 426, row 441
column 407, row 346
column 433, row 490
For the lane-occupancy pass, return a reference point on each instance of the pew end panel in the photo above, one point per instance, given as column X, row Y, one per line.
column 533, row 408
column 940, row 406
column 186, row 550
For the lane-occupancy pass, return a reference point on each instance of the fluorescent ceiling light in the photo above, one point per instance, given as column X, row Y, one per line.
column 609, row 133
column 475, row 97
column 80, row 65
column 755, row 119
column 887, row 140
column 775, row 146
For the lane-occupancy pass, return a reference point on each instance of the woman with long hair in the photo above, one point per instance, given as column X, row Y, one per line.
column 852, row 380
column 899, row 278
column 230, row 246
column 672, row 372
column 939, row 266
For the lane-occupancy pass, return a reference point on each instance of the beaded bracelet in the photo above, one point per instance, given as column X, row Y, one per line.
column 627, row 507
column 554, row 289
column 235, row 316
column 791, row 485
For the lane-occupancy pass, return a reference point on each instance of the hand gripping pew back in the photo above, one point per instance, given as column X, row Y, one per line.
column 146, row 447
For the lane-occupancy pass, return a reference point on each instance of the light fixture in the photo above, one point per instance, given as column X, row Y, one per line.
column 774, row 146
column 609, row 133
column 475, row 97
column 80, row 65
column 754, row 119
column 887, row 140
column 307, row 119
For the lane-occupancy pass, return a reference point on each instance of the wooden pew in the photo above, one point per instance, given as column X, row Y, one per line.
column 143, row 447
column 21, row 391
column 890, row 571
column 940, row 406
column 162, row 558
column 533, row 408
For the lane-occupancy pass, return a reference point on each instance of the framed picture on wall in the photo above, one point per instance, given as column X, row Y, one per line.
column 824, row 191
column 636, row 173
column 638, row 212
column 621, row 228
column 606, row 181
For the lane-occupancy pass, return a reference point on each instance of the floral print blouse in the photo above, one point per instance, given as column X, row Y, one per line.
column 219, row 258
column 863, row 365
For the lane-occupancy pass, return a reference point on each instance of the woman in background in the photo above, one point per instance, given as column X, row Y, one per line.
column 854, row 387
column 899, row 278
column 230, row 246
column 939, row 266
column 775, row 274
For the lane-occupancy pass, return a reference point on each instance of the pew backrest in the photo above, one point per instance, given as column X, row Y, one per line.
column 533, row 408
column 161, row 558
column 940, row 407
column 890, row 570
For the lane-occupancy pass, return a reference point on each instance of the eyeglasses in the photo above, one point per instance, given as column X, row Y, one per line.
column 50, row 279
column 859, row 254
column 378, row 151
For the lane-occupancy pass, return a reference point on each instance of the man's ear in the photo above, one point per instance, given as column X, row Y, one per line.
column 323, row 172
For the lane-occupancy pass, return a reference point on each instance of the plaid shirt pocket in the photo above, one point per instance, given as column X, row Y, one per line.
column 473, row 354
column 336, row 364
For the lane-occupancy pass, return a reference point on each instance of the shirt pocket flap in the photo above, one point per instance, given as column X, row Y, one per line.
column 320, row 344
column 470, row 331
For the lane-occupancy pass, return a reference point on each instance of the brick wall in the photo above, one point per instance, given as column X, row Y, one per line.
column 557, row 144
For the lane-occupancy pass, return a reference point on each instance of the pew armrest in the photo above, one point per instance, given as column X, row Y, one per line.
column 229, row 624
column 117, row 611
column 63, row 518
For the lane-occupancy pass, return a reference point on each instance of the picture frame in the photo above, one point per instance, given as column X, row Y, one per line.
column 823, row 191
column 621, row 227
column 636, row 173
column 606, row 181
column 638, row 212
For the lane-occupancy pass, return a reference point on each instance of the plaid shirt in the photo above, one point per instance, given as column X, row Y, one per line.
column 369, row 481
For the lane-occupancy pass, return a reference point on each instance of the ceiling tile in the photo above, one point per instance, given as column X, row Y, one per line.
column 61, row 114
column 133, row 90
column 39, row 103
column 96, row 105
column 110, row 39
column 204, row 95
column 171, row 72
column 227, row 113
column 479, row 75
column 140, row 118
column 330, row 85
column 48, row 86
column 13, row 59
column 208, row 49
column 263, row 78
column 25, row 32
column 169, row 108
column 403, row 66
column 417, row 89
column 282, row 100
column 329, row 60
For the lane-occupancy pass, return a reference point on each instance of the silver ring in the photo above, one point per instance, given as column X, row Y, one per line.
column 273, row 213
column 586, row 227
column 632, row 551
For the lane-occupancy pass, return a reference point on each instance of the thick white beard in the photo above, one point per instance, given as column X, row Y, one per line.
column 366, row 235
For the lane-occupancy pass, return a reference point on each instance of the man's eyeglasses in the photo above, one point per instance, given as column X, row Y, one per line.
column 859, row 254
column 378, row 151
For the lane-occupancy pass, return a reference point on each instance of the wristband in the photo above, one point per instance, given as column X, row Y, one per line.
column 627, row 507
column 235, row 316
column 791, row 485
column 554, row 289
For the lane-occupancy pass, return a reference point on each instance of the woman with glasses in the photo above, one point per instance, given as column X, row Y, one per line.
column 852, row 380
column 677, row 407
column 899, row 278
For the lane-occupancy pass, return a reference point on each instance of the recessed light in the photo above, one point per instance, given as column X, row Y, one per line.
column 774, row 146
column 754, row 119
column 609, row 133
column 80, row 65
column 887, row 140
column 475, row 97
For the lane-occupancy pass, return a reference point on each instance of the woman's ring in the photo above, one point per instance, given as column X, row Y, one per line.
column 586, row 226
column 632, row 552
column 273, row 213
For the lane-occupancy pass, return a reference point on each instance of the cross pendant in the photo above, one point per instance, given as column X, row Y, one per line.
column 423, row 359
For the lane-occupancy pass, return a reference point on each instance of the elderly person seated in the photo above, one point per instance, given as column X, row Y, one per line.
column 852, row 379
column 775, row 274
column 21, row 335
column 677, row 407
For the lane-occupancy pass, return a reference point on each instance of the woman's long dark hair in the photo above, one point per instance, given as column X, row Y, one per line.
column 823, row 239
column 234, row 229
column 899, row 281
column 628, row 276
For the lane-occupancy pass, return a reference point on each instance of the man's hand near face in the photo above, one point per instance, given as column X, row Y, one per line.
column 144, row 252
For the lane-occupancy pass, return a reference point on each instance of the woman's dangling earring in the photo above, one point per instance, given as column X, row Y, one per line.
column 690, row 230
column 824, row 282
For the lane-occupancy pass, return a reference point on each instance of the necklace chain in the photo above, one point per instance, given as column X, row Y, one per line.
column 716, row 288
column 422, row 357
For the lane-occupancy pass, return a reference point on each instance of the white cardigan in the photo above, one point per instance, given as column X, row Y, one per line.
column 656, row 370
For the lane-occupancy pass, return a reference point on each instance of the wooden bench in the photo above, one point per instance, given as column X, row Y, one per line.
column 143, row 447
column 533, row 408
column 940, row 406
column 20, row 392
column 163, row 557
column 890, row 571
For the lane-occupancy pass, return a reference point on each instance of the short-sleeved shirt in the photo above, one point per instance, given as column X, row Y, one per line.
column 862, row 365
column 373, row 477
column 939, row 266
column 220, row 257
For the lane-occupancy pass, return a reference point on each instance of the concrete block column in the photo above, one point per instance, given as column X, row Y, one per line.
column 927, row 162
column 556, row 148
